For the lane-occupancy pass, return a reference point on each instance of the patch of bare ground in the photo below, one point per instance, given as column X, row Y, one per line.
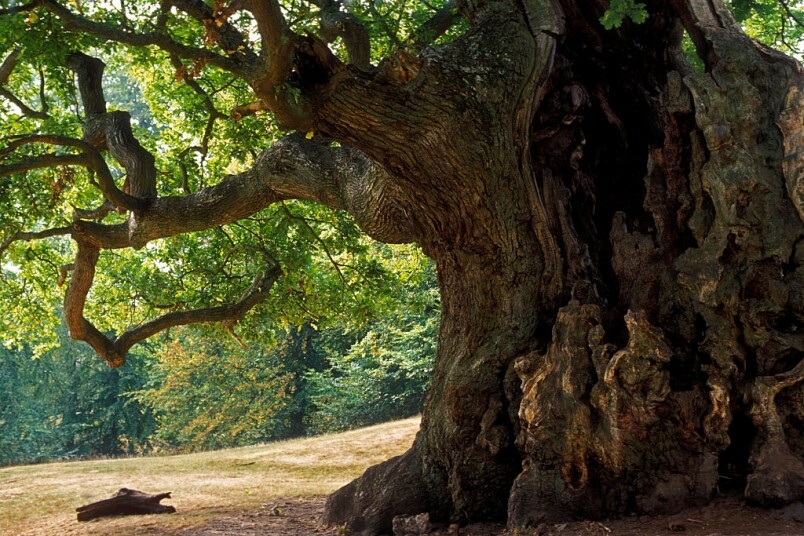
column 725, row 516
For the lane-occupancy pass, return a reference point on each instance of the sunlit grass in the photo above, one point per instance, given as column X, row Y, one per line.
column 41, row 499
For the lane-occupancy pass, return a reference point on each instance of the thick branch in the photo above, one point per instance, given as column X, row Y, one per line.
column 271, row 25
column 295, row 67
column 294, row 168
column 113, row 130
column 90, row 82
column 336, row 23
column 278, row 43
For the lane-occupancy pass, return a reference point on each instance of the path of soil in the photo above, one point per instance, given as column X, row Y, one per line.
column 725, row 516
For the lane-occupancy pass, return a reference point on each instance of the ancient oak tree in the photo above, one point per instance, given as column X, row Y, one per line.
column 618, row 229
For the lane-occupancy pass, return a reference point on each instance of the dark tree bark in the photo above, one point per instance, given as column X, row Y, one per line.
column 619, row 241
column 619, row 246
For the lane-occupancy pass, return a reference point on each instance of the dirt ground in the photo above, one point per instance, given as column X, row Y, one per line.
column 725, row 516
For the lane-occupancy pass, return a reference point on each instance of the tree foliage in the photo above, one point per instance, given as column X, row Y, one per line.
column 66, row 404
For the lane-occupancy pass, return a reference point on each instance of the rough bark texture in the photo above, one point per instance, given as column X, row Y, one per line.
column 619, row 246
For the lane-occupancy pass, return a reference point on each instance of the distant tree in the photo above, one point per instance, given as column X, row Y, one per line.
column 617, row 234
column 213, row 394
column 383, row 376
column 66, row 404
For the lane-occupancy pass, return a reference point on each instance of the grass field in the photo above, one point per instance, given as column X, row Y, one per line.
column 41, row 499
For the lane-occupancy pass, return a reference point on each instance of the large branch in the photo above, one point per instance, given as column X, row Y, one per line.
column 340, row 178
column 279, row 46
column 113, row 130
column 337, row 23
column 271, row 24
column 294, row 168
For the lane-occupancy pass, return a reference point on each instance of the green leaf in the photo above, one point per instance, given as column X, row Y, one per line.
column 619, row 10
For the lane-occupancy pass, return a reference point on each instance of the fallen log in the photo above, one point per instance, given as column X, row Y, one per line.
column 125, row 502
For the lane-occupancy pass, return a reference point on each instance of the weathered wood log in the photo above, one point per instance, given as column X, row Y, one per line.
column 126, row 502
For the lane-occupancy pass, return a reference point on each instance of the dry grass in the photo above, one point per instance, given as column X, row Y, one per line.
column 41, row 499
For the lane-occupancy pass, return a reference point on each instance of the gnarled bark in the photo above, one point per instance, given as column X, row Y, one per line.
column 650, row 307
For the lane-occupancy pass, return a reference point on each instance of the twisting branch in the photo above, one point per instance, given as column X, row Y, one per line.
column 113, row 131
column 114, row 350
column 294, row 167
column 90, row 158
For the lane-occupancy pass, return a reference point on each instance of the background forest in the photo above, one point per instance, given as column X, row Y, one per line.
column 347, row 339
column 197, row 388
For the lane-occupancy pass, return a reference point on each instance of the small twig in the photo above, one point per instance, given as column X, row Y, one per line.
column 792, row 16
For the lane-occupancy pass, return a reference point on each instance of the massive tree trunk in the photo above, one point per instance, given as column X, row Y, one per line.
column 619, row 246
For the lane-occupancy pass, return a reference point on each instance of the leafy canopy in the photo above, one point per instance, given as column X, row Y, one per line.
column 180, row 109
